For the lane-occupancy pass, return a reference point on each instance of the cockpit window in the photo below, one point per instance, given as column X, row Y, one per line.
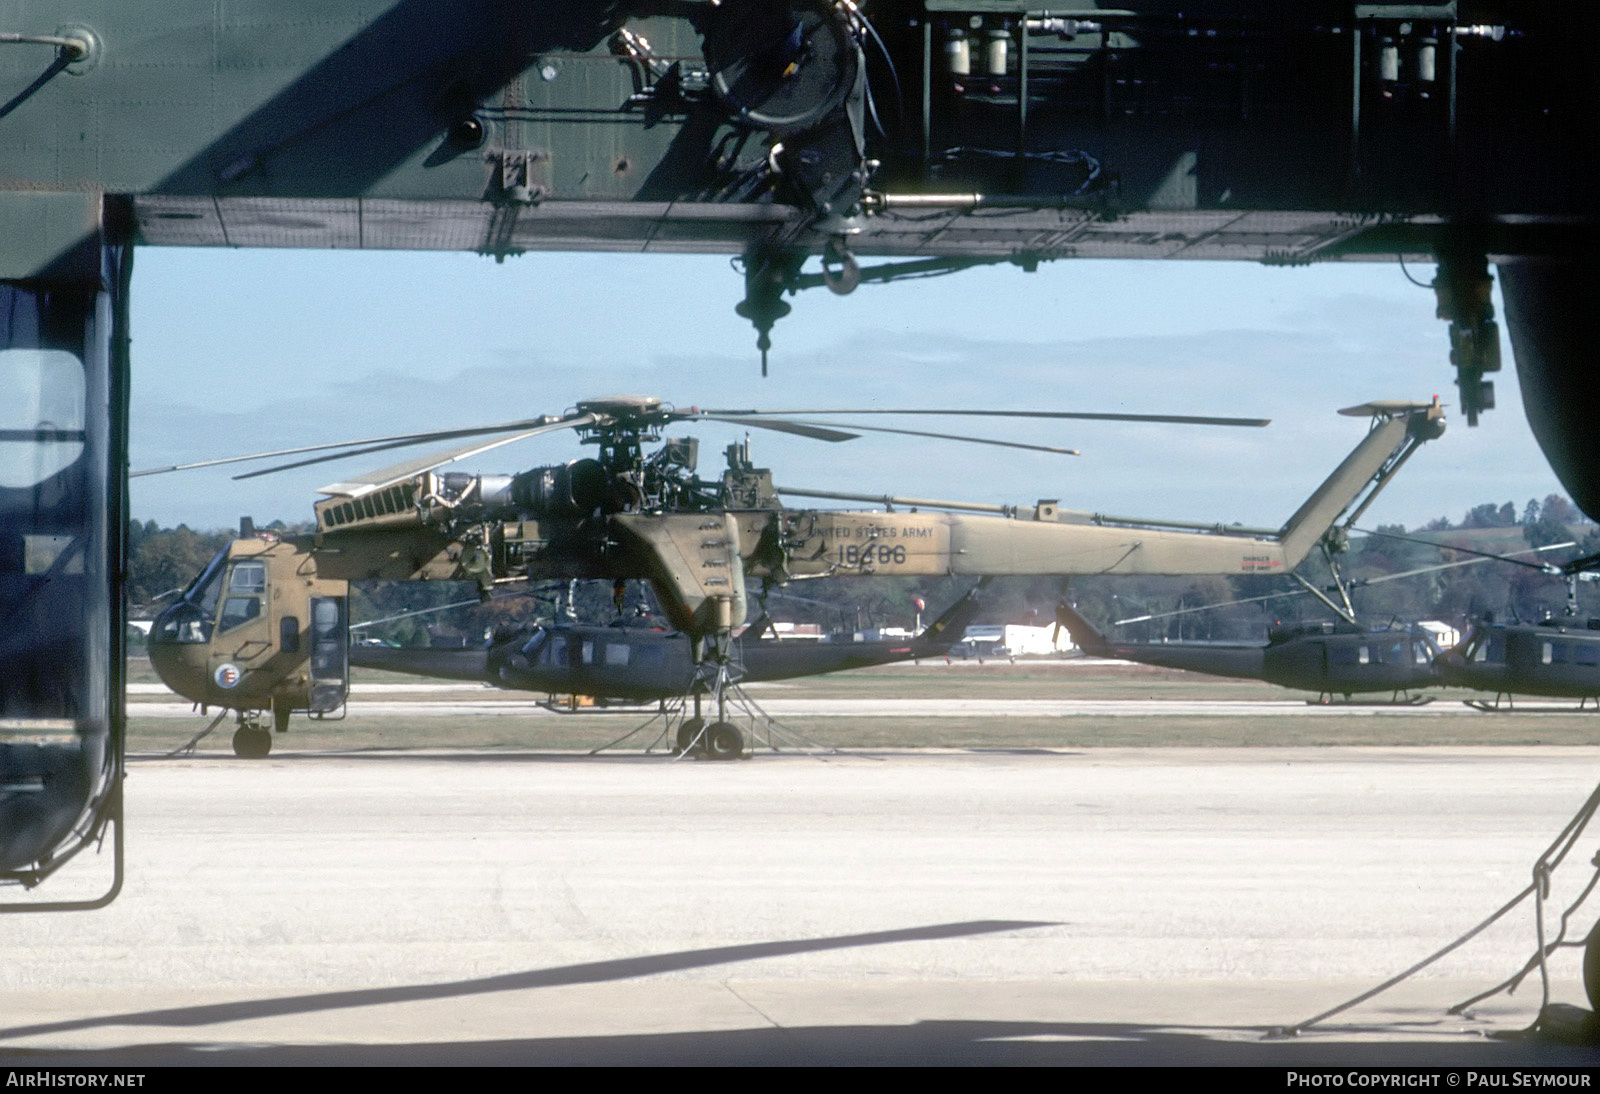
column 204, row 590
column 530, row 648
column 248, row 577
column 182, row 623
column 1490, row 647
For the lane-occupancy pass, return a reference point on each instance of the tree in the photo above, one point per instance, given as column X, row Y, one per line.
column 162, row 560
column 1552, row 524
column 1490, row 515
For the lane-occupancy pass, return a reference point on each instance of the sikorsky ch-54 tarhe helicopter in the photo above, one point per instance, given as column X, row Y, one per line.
column 637, row 660
column 245, row 635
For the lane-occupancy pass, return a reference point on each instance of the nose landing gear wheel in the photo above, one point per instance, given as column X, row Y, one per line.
column 689, row 735
column 251, row 744
column 724, row 742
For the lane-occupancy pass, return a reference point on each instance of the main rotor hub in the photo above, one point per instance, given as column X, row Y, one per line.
column 623, row 407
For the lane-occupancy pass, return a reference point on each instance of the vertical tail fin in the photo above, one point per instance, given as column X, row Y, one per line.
column 947, row 630
column 1398, row 429
column 1083, row 633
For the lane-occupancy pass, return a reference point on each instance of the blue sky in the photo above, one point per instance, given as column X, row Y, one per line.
column 248, row 350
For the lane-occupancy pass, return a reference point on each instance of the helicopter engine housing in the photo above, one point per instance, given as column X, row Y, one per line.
column 568, row 491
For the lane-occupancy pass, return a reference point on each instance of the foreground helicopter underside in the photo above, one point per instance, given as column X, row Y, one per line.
column 936, row 133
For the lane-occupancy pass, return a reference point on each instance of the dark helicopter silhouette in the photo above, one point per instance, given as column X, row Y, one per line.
column 640, row 660
column 1556, row 658
column 1328, row 658
column 1344, row 658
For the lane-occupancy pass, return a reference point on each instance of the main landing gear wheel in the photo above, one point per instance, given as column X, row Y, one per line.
column 252, row 744
column 689, row 735
column 724, row 742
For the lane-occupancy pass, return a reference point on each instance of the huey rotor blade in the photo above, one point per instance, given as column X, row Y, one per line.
column 1166, row 419
column 1360, row 584
column 472, row 602
column 1542, row 567
column 396, row 441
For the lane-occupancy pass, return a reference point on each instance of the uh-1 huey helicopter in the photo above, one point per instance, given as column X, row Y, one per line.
column 637, row 659
column 265, row 627
column 1557, row 657
column 1335, row 657
column 1327, row 658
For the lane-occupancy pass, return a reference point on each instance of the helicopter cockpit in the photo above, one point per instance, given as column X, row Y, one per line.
column 1488, row 645
column 191, row 617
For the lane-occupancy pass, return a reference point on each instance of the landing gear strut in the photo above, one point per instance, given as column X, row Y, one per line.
column 715, row 674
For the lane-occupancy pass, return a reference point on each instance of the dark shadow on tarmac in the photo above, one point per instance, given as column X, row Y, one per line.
column 935, row 1043
column 592, row 973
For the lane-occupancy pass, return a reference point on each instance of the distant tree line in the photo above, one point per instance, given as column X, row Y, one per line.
column 162, row 561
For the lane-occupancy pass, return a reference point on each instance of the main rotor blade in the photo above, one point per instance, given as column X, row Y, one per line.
column 1167, row 419
column 799, row 429
column 467, row 450
column 960, row 437
column 388, row 476
column 398, row 440
column 1541, row 567
column 1206, row 607
column 823, row 432
column 1358, row 584
column 473, row 602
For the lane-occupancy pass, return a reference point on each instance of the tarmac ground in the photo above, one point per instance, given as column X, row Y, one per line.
column 1094, row 906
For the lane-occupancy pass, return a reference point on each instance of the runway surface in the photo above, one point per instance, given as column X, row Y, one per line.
column 1107, row 906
